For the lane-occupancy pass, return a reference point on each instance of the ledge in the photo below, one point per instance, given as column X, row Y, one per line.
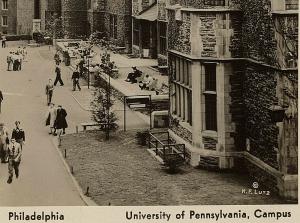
column 285, row 12
column 214, row 59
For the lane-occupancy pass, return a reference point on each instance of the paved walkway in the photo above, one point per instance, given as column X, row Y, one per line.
column 125, row 65
column 43, row 178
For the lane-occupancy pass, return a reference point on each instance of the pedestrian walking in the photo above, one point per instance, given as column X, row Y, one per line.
column 14, row 158
column 57, row 58
column 9, row 60
column 58, row 76
column 61, row 122
column 24, row 53
column 18, row 134
column 49, row 91
column 3, row 41
column 4, row 141
column 19, row 61
column 14, row 58
column 75, row 78
column 50, row 118
column 1, row 99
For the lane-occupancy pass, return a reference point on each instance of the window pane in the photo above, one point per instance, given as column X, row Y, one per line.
column 210, row 77
column 211, row 112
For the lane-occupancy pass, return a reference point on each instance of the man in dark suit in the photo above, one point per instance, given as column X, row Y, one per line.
column 58, row 76
column 1, row 99
column 75, row 78
column 18, row 134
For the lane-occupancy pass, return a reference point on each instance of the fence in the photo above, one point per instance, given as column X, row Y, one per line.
column 161, row 143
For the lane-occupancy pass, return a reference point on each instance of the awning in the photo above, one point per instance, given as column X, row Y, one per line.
column 150, row 14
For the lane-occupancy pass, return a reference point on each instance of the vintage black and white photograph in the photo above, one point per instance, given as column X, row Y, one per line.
column 148, row 102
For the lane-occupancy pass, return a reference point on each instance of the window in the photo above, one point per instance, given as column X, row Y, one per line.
column 215, row 2
column 136, row 32
column 291, row 4
column 162, row 38
column 4, row 21
column 210, row 77
column 210, row 96
column 211, row 112
column 181, row 93
column 113, row 26
column 4, row 4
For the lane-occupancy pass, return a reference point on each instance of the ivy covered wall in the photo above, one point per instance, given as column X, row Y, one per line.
column 179, row 33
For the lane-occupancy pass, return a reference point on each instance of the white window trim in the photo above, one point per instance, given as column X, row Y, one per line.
column 2, row 21
column 3, row 5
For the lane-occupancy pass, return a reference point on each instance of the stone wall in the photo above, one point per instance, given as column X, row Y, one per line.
column 287, row 91
column 259, row 175
column 236, row 44
column 258, row 31
column 234, row 117
column 179, row 33
column 180, row 130
column 75, row 18
column 259, row 89
column 208, row 35
column 25, row 15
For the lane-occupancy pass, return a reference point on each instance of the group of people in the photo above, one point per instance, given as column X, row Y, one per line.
column 15, row 59
column 11, row 149
column 145, row 81
column 56, row 120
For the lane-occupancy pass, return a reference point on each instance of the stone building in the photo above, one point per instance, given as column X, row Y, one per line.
column 75, row 18
column 16, row 17
column 96, row 15
column 233, row 86
column 118, row 22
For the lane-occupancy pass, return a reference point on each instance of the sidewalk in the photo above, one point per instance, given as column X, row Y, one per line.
column 125, row 65
column 135, row 120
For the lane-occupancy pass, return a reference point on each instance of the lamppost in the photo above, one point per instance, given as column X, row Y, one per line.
column 87, row 53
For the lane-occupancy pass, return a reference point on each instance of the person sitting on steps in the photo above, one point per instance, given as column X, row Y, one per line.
column 131, row 77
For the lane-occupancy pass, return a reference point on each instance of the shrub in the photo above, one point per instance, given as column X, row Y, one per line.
column 173, row 162
column 142, row 137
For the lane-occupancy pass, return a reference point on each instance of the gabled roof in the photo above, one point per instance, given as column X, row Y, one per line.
column 149, row 14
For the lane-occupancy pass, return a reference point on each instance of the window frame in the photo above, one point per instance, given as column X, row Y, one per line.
column 2, row 21
column 4, row 3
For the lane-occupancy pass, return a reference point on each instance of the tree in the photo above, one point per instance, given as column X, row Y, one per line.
column 101, row 108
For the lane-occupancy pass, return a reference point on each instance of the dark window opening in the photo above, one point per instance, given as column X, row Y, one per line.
column 211, row 112
column 210, row 77
column 163, row 38
column 37, row 9
column 136, row 33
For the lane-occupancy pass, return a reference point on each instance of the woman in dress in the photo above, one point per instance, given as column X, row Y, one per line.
column 51, row 117
column 4, row 140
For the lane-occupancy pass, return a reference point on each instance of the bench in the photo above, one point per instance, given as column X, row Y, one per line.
column 34, row 45
column 89, row 124
column 92, row 124
column 119, row 49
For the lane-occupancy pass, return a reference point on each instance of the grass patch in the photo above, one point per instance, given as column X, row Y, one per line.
column 121, row 172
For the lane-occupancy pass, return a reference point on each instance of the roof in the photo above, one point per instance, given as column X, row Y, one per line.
column 150, row 14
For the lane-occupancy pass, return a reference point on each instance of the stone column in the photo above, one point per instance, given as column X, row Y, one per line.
column 221, row 148
column 197, row 112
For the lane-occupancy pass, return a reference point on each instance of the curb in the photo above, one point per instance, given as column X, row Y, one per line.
column 88, row 201
column 82, row 107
